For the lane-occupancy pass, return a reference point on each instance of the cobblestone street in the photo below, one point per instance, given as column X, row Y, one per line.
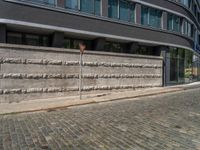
column 170, row 121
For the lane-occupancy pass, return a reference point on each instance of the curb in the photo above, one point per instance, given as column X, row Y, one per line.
column 94, row 100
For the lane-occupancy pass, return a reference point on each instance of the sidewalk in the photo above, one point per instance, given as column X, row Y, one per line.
column 62, row 102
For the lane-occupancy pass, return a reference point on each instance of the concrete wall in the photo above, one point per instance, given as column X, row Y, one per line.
column 28, row 73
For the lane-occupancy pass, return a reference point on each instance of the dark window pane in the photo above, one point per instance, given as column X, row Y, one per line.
column 98, row 7
column 144, row 17
column 72, row 4
column 87, row 6
column 176, row 23
column 124, row 10
column 113, row 9
column 14, row 38
column 67, row 43
column 32, row 40
column 113, row 47
column 169, row 22
column 48, row 2
column 45, row 41
column 132, row 12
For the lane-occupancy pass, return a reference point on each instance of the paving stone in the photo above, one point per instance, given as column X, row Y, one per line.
column 169, row 121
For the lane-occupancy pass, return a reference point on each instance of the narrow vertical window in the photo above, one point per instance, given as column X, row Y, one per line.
column 152, row 17
column 132, row 12
column 124, row 10
column 144, row 16
column 176, row 24
column 97, row 7
column 113, row 9
column 169, row 22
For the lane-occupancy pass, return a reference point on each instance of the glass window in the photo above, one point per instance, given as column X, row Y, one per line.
column 144, row 17
column 49, row 2
column 124, row 10
column 87, row 6
column 74, row 43
column 113, row 47
column 176, row 23
column 97, row 8
column 170, row 22
column 132, row 12
column 14, row 38
column 113, row 9
column 72, row 4
column 121, row 9
column 173, row 22
column 186, row 3
column 32, row 40
column 27, row 39
column 187, row 28
column 67, row 43
column 151, row 17
column 52, row 2
column 45, row 41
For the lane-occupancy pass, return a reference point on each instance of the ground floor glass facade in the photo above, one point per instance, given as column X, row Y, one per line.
column 183, row 66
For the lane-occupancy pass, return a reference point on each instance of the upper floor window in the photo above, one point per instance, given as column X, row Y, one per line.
column 195, row 9
column 88, row 6
column 45, row 2
column 187, row 28
column 121, row 9
column 151, row 17
column 187, row 3
column 72, row 4
column 173, row 22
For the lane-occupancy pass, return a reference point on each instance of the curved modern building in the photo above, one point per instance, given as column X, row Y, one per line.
column 170, row 28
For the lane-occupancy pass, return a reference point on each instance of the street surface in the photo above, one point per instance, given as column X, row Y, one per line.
column 169, row 121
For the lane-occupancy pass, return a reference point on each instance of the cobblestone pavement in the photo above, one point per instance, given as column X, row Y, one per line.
column 170, row 121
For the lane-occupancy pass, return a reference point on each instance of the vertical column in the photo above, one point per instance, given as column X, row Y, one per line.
column 164, row 20
column 164, row 52
column 99, row 44
column 138, row 11
column 104, row 8
column 2, row 33
column 58, row 39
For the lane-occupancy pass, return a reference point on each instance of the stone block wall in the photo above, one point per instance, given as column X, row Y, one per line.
column 28, row 73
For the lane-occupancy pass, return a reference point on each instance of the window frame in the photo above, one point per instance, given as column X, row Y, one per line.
column 80, row 10
column 149, row 9
column 174, row 17
column 131, row 5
